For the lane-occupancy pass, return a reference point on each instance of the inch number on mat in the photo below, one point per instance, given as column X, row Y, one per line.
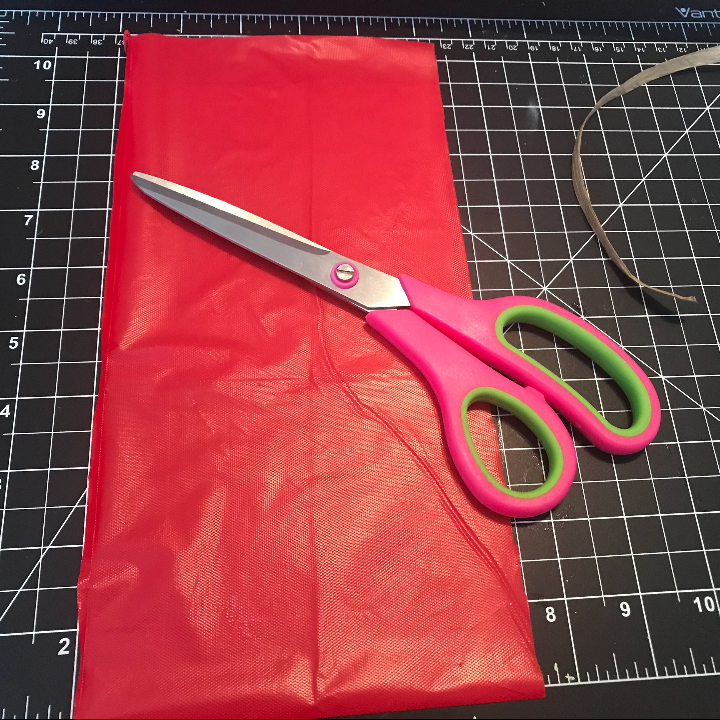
column 707, row 601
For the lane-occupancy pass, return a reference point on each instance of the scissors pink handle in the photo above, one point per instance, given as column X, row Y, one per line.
column 478, row 326
column 459, row 379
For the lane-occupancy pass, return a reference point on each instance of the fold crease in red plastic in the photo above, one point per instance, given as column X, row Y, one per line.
column 274, row 525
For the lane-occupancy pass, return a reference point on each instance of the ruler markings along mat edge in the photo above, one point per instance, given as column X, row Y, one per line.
column 477, row 60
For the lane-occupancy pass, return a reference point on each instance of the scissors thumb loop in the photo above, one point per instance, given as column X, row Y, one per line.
column 530, row 408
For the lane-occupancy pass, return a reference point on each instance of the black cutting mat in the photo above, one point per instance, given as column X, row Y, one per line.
column 622, row 578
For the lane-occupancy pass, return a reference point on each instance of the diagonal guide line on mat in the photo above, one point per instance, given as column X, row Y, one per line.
column 547, row 289
column 637, row 358
column 642, row 180
column 42, row 555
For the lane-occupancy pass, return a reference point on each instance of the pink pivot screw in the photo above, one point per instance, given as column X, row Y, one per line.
column 344, row 275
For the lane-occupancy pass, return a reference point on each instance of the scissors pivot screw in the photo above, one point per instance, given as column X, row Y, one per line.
column 344, row 272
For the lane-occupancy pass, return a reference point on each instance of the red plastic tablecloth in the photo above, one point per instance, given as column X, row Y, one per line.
column 274, row 526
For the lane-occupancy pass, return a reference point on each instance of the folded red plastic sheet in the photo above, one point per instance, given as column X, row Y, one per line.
column 274, row 526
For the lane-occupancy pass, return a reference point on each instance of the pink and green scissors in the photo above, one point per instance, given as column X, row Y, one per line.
column 456, row 343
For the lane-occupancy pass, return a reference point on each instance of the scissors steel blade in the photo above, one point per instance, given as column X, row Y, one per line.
column 373, row 290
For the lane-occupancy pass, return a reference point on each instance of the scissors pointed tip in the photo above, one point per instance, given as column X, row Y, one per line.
column 147, row 183
column 138, row 178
